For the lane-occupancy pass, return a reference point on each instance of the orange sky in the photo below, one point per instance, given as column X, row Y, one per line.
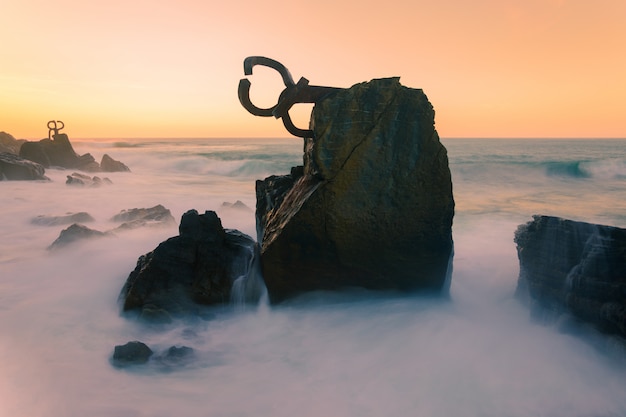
column 150, row 68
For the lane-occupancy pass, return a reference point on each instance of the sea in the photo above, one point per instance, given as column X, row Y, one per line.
column 354, row 353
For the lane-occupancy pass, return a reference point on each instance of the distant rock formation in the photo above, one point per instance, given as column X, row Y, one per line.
column 574, row 268
column 12, row 167
column 372, row 207
column 44, row 220
column 198, row 267
column 58, row 152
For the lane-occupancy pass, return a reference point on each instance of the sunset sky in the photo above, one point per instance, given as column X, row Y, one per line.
column 165, row 68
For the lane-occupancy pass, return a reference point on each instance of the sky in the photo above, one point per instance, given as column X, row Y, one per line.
column 165, row 68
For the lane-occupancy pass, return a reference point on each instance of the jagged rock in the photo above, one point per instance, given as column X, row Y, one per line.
column 198, row 267
column 73, row 233
column 81, row 217
column 13, row 167
column 108, row 164
column 82, row 180
column 139, row 217
column 373, row 207
column 575, row 268
column 9, row 144
column 132, row 353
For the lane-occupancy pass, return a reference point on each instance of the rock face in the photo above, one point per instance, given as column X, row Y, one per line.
column 372, row 207
column 576, row 268
column 9, row 144
column 197, row 267
column 12, row 167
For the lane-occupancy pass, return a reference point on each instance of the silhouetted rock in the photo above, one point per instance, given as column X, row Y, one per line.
column 108, row 164
column 9, row 144
column 81, row 217
column 74, row 233
column 198, row 267
column 82, row 180
column 132, row 353
column 575, row 268
column 139, row 217
column 13, row 167
column 373, row 207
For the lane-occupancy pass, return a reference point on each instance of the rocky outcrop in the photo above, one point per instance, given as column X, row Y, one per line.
column 198, row 267
column 108, row 164
column 12, row 167
column 372, row 207
column 132, row 353
column 576, row 268
column 58, row 152
column 139, row 217
column 9, row 144
column 73, row 233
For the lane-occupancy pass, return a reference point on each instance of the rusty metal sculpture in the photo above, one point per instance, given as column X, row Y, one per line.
column 300, row 92
column 53, row 127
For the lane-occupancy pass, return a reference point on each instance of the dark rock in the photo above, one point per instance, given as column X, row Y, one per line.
column 82, row 180
column 574, row 268
column 81, row 217
column 74, row 233
column 198, row 267
column 108, row 164
column 373, row 207
column 58, row 152
column 139, row 217
column 132, row 353
column 177, row 356
column 13, row 167
column 9, row 144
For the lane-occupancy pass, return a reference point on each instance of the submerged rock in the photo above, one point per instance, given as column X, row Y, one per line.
column 373, row 205
column 574, row 268
column 13, row 167
column 198, row 267
column 82, row 180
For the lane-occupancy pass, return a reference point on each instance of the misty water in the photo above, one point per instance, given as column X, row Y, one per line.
column 354, row 353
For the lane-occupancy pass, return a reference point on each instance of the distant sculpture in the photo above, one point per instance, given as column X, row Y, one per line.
column 53, row 127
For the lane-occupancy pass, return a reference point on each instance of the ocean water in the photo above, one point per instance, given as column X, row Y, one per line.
column 349, row 354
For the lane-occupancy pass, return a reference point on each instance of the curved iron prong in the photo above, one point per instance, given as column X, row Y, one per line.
column 251, row 61
column 291, row 128
column 244, row 99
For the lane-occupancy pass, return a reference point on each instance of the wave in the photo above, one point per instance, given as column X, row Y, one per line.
column 599, row 169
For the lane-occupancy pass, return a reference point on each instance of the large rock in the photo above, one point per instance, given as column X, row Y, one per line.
column 108, row 164
column 373, row 206
column 199, row 266
column 576, row 268
column 12, row 167
column 9, row 144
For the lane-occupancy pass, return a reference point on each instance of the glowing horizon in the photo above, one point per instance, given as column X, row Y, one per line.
column 141, row 69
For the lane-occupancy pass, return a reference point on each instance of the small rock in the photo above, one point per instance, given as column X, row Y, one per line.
column 132, row 353
column 109, row 164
